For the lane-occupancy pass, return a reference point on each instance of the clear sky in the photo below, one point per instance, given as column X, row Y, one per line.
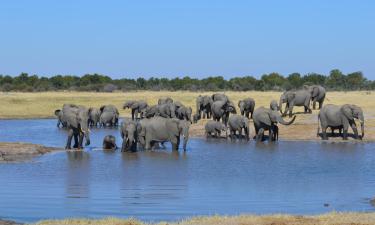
column 169, row 38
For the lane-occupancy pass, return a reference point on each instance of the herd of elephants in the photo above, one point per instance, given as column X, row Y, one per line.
column 169, row 120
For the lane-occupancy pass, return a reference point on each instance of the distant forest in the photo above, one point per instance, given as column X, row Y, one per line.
column 335, row 80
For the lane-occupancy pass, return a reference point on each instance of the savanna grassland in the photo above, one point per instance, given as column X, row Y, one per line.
column 19, row 105
column 325, row 219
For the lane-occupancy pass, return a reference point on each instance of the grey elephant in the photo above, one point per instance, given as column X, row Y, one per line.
column 167, row 110
column 94, row 116
column 165, row 100
column 150, row 111
column 184, row 113
column 266, row 119
column 237, row 123
column 136, row 107
column 318, row 94
column 203, row 104
column 219, row 97
column 60, row 120
column 109, row 143
column 247, row 107
column 221, row 110
column 295, row 98
column 274, row 105
column 109, row 115
column 341, row 117
column 196, row 118
column 160, row 129
column 76, row 118
column 129, row 133
column 214, row 128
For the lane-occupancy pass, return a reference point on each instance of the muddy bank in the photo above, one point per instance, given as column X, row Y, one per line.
column 14, row 152
column 8, row 222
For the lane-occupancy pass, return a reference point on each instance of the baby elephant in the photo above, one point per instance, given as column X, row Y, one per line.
column 238, row 123
column 214, row 128
column 109, row 143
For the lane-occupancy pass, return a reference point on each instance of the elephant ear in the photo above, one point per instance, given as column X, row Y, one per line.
column 102, row 108
column 57, row 112
column 273, row 117
column 239, row 103
column 291, row 96
column 347, row 111
column 306, row 87
column 315, row 91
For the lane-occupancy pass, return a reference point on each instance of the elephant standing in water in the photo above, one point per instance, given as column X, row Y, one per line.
column 109, row 115
column 94, row 116
column 214, row 128
column 341, row 117
column 76, row 118
column 109, row 143
column 247, row 106
column 295, row 98
column 203, row 104
column 136, row 108
column 318, row 94
column 160, row 129
column 238, row 123
column 266, row 119
column 129, row 133
column 60, row 119
column 221, row 110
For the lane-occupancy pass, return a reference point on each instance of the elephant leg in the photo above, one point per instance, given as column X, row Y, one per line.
column 291, row 111
column 324, row 133
column 271, row 134
column 80, row 142
column 345, row 131
column 307, row 104
column 133, row 111
column 321, row 104
column 286, row 109
column 69, row 141
column 123, row 147
column 175, row 142
column 260, row 134
column 314, row 104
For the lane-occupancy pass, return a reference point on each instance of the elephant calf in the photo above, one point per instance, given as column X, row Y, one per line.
column 247, row 106
column 214, row 128
column 341, row 117
column 129, row 133
column 109, row 143
column 237, row 123
column 136, row 107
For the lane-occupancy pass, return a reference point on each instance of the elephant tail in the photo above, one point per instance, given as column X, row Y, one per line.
column 317, row 133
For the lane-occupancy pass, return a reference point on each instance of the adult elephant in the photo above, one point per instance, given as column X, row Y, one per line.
column 94, row 116
column 237, row 123
column 60, row 119
column 160, row 129
column 318, row 94
column 221, row 110
column 165, row 100
column 247, row 106
column 219, row 97
column 136, row 107
column 295, row 98
column 341, row 117
column 266, row 119
column 129, row 133
column 184, row 113
column 167, row 110
column 109, row 115
column 203, row 104
column 150, row 111
column 76, row 118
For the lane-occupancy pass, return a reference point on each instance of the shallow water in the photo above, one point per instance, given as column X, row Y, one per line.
column 212, row 177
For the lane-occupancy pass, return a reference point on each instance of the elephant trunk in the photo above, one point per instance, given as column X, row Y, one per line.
column 283, row 122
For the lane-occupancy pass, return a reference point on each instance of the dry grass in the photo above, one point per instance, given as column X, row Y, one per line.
column 325, row 219
column 42, row 105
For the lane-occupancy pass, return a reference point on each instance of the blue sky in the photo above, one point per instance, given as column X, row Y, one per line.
column 166, row 38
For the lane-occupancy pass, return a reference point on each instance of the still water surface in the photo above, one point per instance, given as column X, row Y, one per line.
column 212, row 177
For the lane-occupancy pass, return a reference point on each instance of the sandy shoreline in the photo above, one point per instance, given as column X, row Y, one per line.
column 18, row 151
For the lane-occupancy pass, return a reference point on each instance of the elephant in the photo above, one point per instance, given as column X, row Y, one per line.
column 149, row 111
column 274, row 105
column 167, row 110
column 221, row 109
column 214, row 128
column 160, row 129
column 318, row 94
column 109, row 115
column 341, row 117
column 165, row 100
column 295, row 98
column 109, row 143
column 184, row 113
column 247, row 106
column 136, row 107
column 76, row 118
column 196, row 117
column 60, row 120
column 94, row 116
column 238, row 123
column 129, row 133
column 266, row 119
column 219, row 97
column 178, row 104
column 203, row 104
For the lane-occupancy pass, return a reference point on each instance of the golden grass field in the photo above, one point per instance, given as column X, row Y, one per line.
column 15, row 105
column 325, row 219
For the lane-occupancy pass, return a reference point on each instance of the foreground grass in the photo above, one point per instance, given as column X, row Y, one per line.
column 16, row 105
column 325, row 219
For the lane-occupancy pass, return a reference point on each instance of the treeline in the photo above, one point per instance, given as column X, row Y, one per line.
column 335, row 80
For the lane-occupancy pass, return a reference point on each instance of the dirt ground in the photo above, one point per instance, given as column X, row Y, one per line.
column 10, row 152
